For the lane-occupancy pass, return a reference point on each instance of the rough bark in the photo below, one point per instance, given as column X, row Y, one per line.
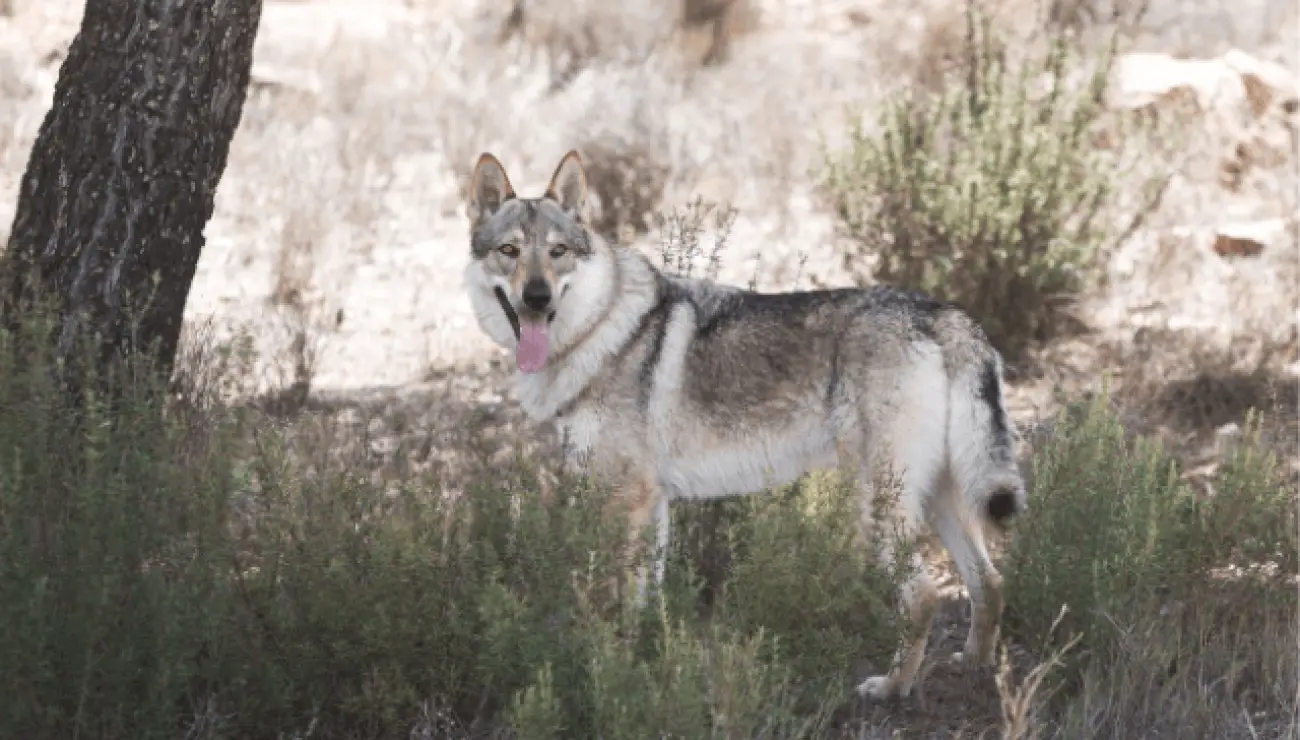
column 121, row 180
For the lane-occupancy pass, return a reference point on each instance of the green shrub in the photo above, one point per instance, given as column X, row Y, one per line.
column 112, row 524
column 800, row 574
column 801, row 603
column 178, row 568
column 989, row 193
column 699, row 683
column 1163, row 581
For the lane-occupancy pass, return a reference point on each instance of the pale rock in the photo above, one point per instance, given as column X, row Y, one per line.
column 1235, row 83
column 1263, row 144
column 1146, row 79
column 1267, row 84
column 1249, row 238
column 1249, row 105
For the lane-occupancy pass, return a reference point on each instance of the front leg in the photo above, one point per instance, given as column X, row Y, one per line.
column 574, row 459
column 642, row 501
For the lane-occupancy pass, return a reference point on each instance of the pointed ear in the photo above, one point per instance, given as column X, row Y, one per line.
column 569, row 186
column 488, row 188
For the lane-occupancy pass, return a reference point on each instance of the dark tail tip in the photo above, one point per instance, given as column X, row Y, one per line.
column 1004, row 504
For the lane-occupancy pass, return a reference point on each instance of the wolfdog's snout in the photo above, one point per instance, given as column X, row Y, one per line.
column 537, row 294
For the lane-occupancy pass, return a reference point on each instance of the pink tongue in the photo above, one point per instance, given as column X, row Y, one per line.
column 534, row 347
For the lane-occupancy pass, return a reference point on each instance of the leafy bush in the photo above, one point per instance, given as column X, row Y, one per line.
column 112, row 580
column 179, row 568
column 172, row 569
column 1166, row 586
column 988, row 194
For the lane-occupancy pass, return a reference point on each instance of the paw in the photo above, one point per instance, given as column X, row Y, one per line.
column 882, row 688
column 975, row 658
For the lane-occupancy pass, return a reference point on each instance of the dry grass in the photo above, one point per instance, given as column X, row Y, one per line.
column 364, row 122
column 1185, row 389
column 387, row 163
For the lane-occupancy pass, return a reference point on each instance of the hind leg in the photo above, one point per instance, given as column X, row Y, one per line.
column 918, row 595
column 964, row 540
column 919, row 599
column 898, row 426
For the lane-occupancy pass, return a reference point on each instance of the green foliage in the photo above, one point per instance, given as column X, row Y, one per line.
column 177, row 568
column 1147, row 563
column 112, row 519
column 182, row 569
column 849, row 610
column 988, row 194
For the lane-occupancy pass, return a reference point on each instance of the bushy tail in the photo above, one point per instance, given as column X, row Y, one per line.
column 981, row 442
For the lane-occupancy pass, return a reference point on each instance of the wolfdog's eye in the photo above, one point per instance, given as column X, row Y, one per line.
column 558, row 251
column 509, row 250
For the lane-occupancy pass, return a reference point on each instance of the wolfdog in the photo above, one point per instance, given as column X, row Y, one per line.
column 675, row 388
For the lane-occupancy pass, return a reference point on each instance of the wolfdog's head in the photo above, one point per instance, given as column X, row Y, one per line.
column 537, row 271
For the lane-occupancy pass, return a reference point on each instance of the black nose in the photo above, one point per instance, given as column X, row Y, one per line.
column 537, row 294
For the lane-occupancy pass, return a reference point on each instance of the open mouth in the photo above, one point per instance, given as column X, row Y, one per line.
column 510, row 312
column 533, row 346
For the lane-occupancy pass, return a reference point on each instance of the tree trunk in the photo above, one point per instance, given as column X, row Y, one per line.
column 121, row 179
